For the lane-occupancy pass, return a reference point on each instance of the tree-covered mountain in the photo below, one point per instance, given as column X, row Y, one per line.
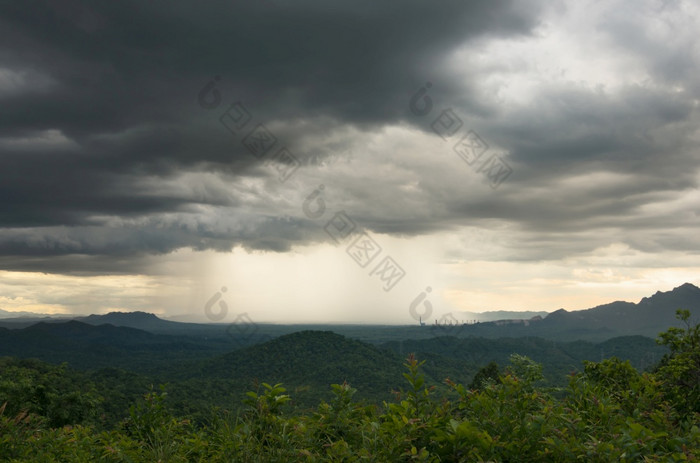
column 88, row 346
column 310, row 361
column 647, row 318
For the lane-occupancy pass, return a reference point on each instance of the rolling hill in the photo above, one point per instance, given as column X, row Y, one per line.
column 88, row 346
column 311, row 361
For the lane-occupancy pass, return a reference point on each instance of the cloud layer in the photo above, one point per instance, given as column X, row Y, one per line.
column 112, row 152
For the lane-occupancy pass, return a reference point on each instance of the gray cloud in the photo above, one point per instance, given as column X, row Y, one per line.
column 106, row 157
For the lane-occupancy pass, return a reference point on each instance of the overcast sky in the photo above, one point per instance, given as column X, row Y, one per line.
column 329, row 161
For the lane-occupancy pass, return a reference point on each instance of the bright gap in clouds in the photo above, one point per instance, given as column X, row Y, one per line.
column 322, row 283
column 66, row 294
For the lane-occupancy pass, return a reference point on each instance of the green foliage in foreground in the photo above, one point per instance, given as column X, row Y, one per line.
column 608, row 412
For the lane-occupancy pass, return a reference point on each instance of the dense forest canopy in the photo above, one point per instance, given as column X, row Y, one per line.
column 609, row 411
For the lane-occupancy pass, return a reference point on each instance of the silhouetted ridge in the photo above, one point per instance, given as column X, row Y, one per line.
column 139, row 320
column 123, row 316
column 557, row 315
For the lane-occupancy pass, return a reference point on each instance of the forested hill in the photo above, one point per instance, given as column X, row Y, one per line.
column 311, row 360
column 87, row 346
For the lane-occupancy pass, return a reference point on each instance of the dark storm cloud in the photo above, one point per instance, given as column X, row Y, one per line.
column 354, row 60
column 577, row 126
column 106, row 156
column 117, row 84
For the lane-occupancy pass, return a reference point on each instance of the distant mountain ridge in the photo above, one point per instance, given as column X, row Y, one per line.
column 649, row 313
column 8, row 314
column 140, row 320
column 496, row 315
column 648, row 317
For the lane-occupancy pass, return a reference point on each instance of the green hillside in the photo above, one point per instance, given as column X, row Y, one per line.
column 607, row 412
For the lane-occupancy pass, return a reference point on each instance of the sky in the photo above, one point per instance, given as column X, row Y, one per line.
column 350, row 162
